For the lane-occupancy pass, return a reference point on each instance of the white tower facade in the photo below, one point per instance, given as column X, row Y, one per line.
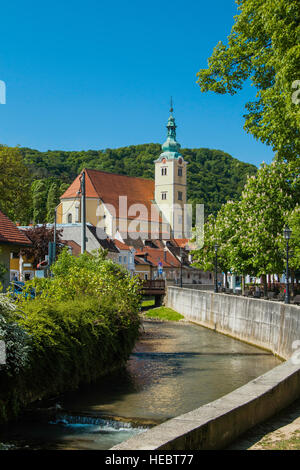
column 170, row 182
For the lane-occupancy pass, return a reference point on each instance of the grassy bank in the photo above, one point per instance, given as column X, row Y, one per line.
column 163, row 313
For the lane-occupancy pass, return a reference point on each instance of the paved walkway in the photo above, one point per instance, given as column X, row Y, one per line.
column 282, row 432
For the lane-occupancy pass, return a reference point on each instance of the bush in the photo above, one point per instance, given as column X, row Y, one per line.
column 82, row 324
column 14, row 336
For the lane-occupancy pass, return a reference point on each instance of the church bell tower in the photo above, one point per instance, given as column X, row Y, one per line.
column 170, row 181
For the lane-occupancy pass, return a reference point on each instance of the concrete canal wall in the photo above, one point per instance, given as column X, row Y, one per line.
column 273, row 326
column 264, row 323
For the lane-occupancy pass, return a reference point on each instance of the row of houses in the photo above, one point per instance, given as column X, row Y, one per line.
column 149, row 259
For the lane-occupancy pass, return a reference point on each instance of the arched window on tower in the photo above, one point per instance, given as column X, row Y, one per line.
column 69, row 218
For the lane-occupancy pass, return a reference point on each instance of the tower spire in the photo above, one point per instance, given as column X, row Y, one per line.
column 171, row 148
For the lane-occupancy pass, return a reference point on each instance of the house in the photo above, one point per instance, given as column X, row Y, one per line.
column 143, row 267
column 131, row 205
column 11, row 241
column 126, row 255
column 21, row 268
column 165, row 259
column 96, row 239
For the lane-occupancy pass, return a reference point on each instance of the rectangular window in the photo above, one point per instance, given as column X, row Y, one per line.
column 125, row 259
column 76, row 214
column 179, row 196
column 164, row 196
column 164, row 171
column 179, row 171
column 120, row 259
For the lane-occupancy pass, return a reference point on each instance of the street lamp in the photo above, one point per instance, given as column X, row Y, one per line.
column 180, row 267
column 287, row 235
column 216, row 267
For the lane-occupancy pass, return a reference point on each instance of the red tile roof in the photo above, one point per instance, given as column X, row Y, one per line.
column 182, row 242
column 76, row 249
column 120, row 245
column 9, row 232
column 156, row 255
column 109, row 186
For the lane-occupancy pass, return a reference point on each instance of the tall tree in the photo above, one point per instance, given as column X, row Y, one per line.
column 39, row 201
column 52, row 201
column 250, row 231
column 263, row 46
column 40, row 238
column 14, row 184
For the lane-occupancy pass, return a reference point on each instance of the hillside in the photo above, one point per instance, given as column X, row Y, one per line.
column 213, row 175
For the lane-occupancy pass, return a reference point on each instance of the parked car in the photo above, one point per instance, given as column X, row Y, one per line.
column 17, row 288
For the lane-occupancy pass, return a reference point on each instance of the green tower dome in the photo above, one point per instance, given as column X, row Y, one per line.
column 171, row 148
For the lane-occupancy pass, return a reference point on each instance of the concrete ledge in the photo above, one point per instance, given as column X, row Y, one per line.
column 217, row 424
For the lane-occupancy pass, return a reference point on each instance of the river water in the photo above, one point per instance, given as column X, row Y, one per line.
column 175, row 367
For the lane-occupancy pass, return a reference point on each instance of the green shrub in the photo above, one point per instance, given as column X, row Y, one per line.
column 82, row 324
column 14, row 336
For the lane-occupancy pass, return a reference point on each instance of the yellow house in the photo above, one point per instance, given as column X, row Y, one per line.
column 21, row 268
column 11, row 241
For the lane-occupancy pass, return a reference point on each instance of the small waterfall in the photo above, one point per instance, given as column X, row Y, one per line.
column 103, row 424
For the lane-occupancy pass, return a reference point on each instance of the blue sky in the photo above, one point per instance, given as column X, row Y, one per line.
column 95, row 74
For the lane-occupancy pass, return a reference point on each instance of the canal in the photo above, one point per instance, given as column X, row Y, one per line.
column 174, row 368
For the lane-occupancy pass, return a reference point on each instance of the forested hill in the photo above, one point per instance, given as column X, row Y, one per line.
column 213, row 176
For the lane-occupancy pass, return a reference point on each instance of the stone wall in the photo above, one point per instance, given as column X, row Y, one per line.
column 264, row 323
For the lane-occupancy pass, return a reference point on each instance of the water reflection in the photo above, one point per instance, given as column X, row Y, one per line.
column 174, row 368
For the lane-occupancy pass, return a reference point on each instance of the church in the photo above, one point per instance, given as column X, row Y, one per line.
column 145, row 219
column 134, row 208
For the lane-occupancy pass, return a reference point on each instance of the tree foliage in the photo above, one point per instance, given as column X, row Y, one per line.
column 213, row 176
column 250, row 231
column 82, row 325
column 89, row 276
column 40, row 236
column 263, row 46
column 14, row 184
